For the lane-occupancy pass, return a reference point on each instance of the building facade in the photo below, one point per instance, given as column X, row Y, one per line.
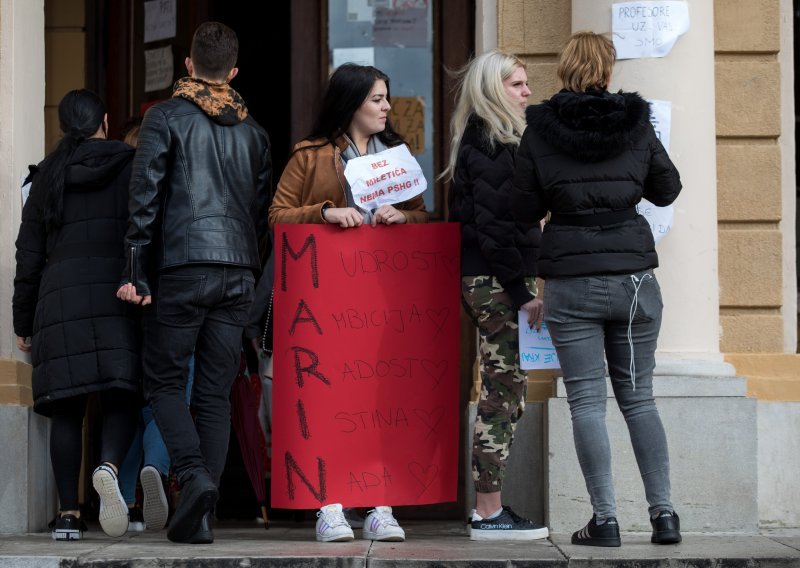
column 728, row 375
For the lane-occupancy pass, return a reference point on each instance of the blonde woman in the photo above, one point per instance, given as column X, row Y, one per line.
column 498, row 269
column 588, row 157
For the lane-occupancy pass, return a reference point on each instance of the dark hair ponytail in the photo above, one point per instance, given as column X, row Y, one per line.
column 347, row 89
column 80, row 114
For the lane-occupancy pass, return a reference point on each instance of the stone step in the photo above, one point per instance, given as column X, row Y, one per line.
column 428, row 544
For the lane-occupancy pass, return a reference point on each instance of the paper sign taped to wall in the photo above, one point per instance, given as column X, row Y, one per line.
column 536, row 350
column 648, row 28
column 158, row 69
column 659, row 218
column 366, row 365
column 385, row 178
column 408, row 118
column 160, row 19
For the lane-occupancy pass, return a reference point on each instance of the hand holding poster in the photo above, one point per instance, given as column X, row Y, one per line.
column 385, row 178
column 536, row 349
column 366, row 365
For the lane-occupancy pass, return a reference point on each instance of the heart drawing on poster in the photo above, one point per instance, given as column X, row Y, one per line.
column 425, row 476
column 436, row 370
column 438, row 318
column 430, row 419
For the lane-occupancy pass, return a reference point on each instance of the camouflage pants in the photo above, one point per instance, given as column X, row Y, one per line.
column 503, row 384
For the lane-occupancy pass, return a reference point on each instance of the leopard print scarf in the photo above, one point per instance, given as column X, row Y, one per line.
column 218, row 100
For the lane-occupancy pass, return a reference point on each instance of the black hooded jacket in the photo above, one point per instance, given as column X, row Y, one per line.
column 588, row 157
column 492, row 242
column 83, row 338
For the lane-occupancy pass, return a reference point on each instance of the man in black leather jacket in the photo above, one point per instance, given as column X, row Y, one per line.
column 198, row 207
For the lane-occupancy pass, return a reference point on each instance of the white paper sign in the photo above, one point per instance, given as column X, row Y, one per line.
column 661, row 119
column 360, row 11
column 385, row 178
column 536, row 349
column 358, row 55
column 158, row 68
column 659, row 218
column 648, row 28
column 26, row 190
column 160, row 17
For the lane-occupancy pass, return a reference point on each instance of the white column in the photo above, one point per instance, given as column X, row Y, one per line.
column 485, row 26
column 21, row 133
column 688, row 255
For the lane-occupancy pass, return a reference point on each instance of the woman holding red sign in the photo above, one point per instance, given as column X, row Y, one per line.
column 498, row 269
column 354, row 121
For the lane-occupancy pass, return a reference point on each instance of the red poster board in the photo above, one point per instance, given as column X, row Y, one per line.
column 366, row 365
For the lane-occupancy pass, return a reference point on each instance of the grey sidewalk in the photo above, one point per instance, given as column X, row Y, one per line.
column 428, row 544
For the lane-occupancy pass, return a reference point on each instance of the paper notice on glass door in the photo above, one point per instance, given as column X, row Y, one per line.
column 648, row 29
column 158, row 69
column 160, row 19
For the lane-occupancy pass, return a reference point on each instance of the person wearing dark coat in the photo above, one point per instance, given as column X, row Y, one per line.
column 498, row 272
column 588, row 157
column 82, row 340
column 198, row 209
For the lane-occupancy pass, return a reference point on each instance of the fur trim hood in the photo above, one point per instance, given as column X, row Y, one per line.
column 590, row 126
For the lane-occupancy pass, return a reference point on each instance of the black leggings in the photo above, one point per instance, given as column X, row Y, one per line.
column 120, row 410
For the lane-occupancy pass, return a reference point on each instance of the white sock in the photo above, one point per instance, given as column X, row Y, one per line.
column 477, row 517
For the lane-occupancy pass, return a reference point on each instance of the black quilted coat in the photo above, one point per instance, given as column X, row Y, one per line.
column 492, row 242
column 585, row 154
column 83, row 338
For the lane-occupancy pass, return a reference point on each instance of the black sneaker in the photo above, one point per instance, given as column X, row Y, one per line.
column 135, row 520
column 506, row 526
column 199, row 494
column 67, row 527
column 666, row 528
column 606, row 534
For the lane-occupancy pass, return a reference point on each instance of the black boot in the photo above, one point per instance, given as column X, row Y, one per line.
column 593, row 534
column 199, row 494
column 666, row 528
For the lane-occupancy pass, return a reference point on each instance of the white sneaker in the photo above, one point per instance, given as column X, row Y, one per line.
column 332, row 526
column 113, row 510
column 155, row 508
column 380, row 524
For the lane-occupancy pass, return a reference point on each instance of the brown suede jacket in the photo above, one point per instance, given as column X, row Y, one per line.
column 313, row 177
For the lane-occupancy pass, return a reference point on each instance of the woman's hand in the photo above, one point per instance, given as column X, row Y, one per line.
column 388, row 215
column 345, row 217
column 24, row 344
column 535, row 309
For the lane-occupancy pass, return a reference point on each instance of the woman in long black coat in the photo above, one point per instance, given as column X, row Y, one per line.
column 81, row 338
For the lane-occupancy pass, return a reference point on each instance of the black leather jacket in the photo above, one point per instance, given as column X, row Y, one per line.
column 199, row 192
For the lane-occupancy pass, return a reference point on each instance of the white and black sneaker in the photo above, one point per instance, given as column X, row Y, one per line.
column 505, row 526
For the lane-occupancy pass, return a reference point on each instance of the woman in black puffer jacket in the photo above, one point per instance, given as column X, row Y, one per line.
column 83, row 340
column 588, row 156
column 498, row 269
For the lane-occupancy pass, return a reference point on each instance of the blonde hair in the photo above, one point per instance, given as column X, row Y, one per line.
column 481, row 92
column 586, row 62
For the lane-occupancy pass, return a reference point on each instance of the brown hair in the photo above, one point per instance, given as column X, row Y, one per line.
column 215, row 48
column 586, row 62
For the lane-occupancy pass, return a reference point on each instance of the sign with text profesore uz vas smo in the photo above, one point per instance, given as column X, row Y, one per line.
column 365, row 401
column 649, row 28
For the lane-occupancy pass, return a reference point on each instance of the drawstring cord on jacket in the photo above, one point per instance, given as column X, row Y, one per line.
column 637, row 283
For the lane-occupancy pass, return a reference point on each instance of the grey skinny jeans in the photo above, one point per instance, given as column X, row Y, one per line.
column 587, row 315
